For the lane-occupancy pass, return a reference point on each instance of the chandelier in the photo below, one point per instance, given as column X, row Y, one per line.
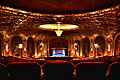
column 58, row 31
column 58, row 27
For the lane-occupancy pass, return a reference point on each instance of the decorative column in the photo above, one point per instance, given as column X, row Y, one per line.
column 6, row 45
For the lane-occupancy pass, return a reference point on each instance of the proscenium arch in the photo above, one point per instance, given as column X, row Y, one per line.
column 30, row 47
column 58, row 43
column 100, row 40
column 15, row 40
column 86, row 46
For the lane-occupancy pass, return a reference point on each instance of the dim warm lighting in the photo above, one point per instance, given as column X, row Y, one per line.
column 58, row 27
column 95, row 35
column 41, row 43
column 105, row 54
column 96, row 45
column 55, row 26
column 108, row 47
column 77, row 53
column 44, row 51
column 24, row 49
column 72, row 51
column 58, row 16
column 23, row 36
column 19, row 57
column 36, row 56
column 75, row 44
column 83, row 36
column 58, row 32
column 33, row 36
column 6, row 48
column 20, row 46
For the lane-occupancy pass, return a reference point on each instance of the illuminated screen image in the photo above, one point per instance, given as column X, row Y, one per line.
column 58, row 52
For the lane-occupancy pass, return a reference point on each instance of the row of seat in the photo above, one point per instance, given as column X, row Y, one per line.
column 60, row 70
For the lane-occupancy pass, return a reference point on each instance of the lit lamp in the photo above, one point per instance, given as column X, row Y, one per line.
column 6, row 48
column 58, row 32
column 20, row 47
column 57, row 27
column 96, row 46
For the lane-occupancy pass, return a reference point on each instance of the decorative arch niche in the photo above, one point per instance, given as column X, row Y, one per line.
column 30, row 47
column 39, row 46
column 15, row 41
column 100, row 41
column 58, row 44
column 77, row 47
column 117, row 45
column 86, row 47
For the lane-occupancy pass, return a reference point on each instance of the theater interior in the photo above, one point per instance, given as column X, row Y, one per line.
column 59, row 39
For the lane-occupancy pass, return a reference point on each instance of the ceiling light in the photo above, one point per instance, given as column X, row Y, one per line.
column 58, row 32
column 55, row 26
column 58, row 27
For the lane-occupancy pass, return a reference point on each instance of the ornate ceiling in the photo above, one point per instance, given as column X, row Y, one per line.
column 60, row 6
column 103, row 22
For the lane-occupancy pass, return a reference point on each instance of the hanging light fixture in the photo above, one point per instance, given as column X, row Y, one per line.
column 58, row 27
column 58, row 32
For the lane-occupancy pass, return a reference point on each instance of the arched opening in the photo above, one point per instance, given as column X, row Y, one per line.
column 86, row 47
column 58, row 47
column 99, row 46
column 117, row 46
column 30, row 47
column 15, row 46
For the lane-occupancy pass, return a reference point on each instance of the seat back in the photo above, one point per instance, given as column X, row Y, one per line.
column 24, row 71
column 3, row 72
column 58, row 70
column 113, row 72
column 91, row 71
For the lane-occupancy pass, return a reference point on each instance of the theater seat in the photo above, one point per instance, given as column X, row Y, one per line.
column 91, row 71
column 113, row 72
column 24, row 71
column 58, row 70
column 3, row 72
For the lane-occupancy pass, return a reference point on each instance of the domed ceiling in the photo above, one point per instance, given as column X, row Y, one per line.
column 25, row 16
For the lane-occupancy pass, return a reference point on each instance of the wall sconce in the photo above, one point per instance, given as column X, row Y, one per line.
column 6, row 48
column 44, row 51
column 20, row 46
column 96, row 47
column 108, row 47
